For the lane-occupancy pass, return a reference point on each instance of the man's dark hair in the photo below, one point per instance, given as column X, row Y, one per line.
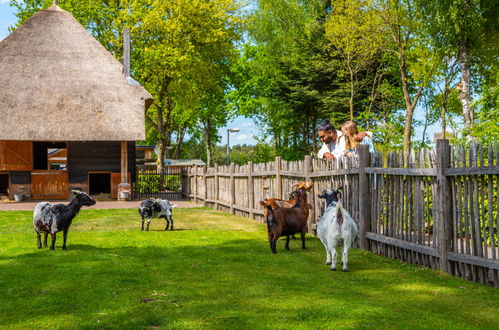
column 326, row 126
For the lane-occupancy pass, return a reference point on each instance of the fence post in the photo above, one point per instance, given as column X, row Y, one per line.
column 205, row 185
column 216, row 186
column 195, row 184
column 232, row 188
column 251, row 190
column 443, row 207
column 311, row 215
column 364, row 198
column 278, row 178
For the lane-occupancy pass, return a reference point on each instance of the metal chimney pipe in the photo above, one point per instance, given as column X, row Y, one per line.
column 126, row 52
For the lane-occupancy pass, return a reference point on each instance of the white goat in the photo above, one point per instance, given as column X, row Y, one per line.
column 336, row 224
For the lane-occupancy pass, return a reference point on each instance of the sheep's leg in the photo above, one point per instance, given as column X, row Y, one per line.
column 303, row 239
column 142, row 223
column 45, row 240
column 274, row 243
column 167, row 223
column 333, row 255
column 65, row 233
column 38, row 240
column 344, row 257
column 52, row 235
column 328, row 256
column 148, row 223
column 286, row 246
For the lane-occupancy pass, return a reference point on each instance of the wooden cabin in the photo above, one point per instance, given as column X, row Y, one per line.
column 69, row 116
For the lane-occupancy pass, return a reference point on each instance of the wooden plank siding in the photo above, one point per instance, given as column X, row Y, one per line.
column 102, row 156
column 440, row 211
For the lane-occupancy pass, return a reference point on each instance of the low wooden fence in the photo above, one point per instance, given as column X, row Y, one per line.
column 439, row 211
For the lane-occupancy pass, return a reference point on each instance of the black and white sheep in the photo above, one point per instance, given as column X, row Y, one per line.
column 335, row 225
column 156, row 208
column 51, row 218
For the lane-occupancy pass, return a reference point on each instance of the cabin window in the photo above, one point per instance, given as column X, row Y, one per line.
column 50, row 156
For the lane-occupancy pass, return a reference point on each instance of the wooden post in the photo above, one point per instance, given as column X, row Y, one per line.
column 364, row 197
column 216, row 187
column 443, row 207
column 195, row 183
column 232, row 188
column 311, row 213
column 251, row 190
column 278, row 177
column 124, row 162
column 205, row 185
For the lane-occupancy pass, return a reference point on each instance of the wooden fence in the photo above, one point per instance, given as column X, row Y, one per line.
column 439, row 211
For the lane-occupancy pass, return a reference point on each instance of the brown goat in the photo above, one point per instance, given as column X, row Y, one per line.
column 286, row 221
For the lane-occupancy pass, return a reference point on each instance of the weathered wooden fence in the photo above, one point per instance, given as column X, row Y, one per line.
column 439, row 211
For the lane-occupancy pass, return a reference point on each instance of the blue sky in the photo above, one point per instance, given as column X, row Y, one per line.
column 248, row 128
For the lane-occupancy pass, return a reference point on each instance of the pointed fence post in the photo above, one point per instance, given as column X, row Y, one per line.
column 232, row 188
column 251, row 190
column 195, row 184
column 216, row 186
column 364, row 197
column 311, row 213
column 443, row 204
column 278, row 177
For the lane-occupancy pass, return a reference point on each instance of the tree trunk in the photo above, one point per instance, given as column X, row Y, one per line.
column 445, row 96
column 350, row 101
column 180, row 139
column 465, row 96
column 409, row 109
column 161, row 155
column 207, row 142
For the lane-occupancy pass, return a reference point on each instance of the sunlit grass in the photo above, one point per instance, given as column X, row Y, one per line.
column 215, row 271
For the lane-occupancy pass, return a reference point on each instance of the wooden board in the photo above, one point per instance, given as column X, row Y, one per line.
column 49, row 184
column 16, row 155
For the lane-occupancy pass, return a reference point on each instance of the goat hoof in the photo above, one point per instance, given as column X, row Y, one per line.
column 64, row 249
column 332, row 269
column 52, row 248
column 345, row 270
column 329, row 263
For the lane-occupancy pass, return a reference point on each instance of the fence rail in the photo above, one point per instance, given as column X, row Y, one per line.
column 439, row 211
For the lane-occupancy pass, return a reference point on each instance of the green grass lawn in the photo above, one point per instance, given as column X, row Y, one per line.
column 215, row 271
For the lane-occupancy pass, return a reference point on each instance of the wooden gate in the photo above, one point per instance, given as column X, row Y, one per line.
column 49, row 184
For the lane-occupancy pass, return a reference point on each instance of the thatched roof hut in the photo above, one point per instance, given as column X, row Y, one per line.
column 58, row 83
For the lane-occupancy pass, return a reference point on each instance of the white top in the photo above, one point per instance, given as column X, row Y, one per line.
column 337, row 148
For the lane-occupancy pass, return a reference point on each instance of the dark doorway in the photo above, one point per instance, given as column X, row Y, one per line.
column 99, row 183
column 4, row 184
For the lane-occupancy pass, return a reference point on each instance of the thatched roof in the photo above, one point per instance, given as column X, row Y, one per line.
column 58, row 83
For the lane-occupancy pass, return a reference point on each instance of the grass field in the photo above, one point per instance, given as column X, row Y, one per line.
column 215, row 271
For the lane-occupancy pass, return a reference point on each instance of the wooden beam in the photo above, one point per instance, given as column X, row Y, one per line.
column 124, row 162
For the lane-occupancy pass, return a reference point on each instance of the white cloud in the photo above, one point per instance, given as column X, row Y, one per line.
column 242, row 137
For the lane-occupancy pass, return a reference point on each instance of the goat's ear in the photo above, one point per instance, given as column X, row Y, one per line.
column 262, row 203
column 321, row 196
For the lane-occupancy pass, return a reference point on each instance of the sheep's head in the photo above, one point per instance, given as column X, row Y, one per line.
column 83, row 198
column 331, row 195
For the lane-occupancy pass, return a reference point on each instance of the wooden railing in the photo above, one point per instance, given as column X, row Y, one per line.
column 439, row 211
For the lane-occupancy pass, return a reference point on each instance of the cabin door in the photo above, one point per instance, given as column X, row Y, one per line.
column 49, row 184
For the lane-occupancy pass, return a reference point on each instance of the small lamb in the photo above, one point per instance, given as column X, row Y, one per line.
column 336, row 224
column 156, row 208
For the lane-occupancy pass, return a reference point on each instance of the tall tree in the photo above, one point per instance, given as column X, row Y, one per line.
column 468, row 29
column 356, row 36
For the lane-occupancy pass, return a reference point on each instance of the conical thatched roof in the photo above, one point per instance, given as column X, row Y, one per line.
column 58, row 83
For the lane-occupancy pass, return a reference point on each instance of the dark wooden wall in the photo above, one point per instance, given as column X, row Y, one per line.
column 84, row 157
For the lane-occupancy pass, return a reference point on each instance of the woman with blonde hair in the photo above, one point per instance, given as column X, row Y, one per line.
column 351, row 134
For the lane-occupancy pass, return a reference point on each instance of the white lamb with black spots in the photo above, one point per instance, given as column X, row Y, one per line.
column 51, row 218
column 336, row 225
column 156, row 208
